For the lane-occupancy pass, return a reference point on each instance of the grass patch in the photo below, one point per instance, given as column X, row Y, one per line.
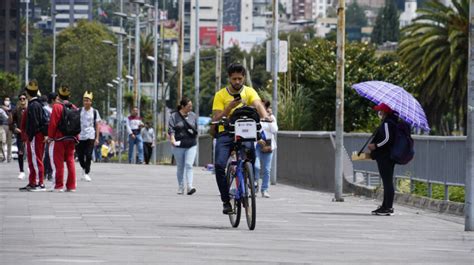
column 456, row 194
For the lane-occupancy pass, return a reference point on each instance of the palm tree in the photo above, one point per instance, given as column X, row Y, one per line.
column 435, row 47
column 146, row 49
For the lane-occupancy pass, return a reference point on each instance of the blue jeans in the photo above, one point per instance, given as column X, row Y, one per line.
column 139, row 142
column 224, row 145
column 263, row 161
column 184, row 162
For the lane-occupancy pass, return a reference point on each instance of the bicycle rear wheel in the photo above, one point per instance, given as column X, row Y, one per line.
column 249, row 200
column 234, row 217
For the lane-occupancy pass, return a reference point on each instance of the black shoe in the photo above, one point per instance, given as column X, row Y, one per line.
column 227, row 208
column 41, row 187
column 28, row 188
column 49, row 177
column 191, row 191
column 383, row 211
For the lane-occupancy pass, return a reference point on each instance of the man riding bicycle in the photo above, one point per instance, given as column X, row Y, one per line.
column 226, row 100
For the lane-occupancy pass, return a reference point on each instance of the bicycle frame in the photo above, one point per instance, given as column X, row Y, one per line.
column 239, row 171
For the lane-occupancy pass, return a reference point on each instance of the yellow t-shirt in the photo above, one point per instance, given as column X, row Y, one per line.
column 223, row 98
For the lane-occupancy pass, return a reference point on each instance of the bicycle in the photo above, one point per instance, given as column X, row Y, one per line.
column 239, row 168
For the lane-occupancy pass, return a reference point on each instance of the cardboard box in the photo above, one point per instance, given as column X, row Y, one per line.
column 362, row 156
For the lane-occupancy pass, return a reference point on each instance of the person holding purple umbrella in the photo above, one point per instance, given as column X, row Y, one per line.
column 380, row 149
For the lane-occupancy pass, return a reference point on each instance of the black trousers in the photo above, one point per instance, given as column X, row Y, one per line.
column 84, row 154
column 47, row 161
column 386, row 167
column 21, row 152
column 148, row 151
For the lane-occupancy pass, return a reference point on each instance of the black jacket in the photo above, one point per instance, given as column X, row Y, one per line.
column 384, row 137
column 34, row 117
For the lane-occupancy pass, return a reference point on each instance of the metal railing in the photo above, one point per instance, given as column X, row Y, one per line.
column 438, row 160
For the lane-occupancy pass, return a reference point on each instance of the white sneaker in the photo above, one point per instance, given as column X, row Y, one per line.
column 265, row 194
column 21, row 175
column 87, row 178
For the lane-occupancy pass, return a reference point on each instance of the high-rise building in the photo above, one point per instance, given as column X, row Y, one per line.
column 68, row 12
column 303, row 9
column 320, row 8
column 9, row 35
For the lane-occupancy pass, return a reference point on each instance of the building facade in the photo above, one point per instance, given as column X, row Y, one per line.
column 302, row 10
column 68, row 12
column 10, row 36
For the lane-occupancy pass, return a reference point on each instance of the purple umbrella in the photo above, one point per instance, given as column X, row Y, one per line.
column 397, row 98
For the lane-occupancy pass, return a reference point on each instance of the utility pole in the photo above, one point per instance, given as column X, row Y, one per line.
column 339, row 100
column 155, row 74
column 220, row 22
column 163, row 95
column 196, row 73
column 120, row 87
column 181, row 50
column 469, row 197
column 53, row 75
column 275, row 68
column 136, row 78
column 27, row 59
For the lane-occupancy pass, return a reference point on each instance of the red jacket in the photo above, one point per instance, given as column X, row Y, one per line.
column 55, row 119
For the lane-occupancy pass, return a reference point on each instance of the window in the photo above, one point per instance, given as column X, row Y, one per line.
column 13, row 34
column 13, row 13
column 12, row 55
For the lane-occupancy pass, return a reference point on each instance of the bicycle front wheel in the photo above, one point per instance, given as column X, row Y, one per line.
column 234, row 217
column 249, row 200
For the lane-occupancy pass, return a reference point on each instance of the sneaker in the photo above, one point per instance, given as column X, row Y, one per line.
column 265, row 194
column 383, row 211
column 71, row 190
column 180, row 191
column 227, row 208
column 191, row 191
column 87, row 178
column 56, row 190
column 21, row 175
column 41, row 187
column 27, row 188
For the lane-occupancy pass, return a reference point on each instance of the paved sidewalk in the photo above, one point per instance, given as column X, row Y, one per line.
column 131, row 214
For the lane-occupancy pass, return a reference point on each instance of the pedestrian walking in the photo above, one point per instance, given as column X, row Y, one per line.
column 148, row 135
column 17, row 115
column 7, row 107
column 183, row 136
column 380, row 150
column 264, row 151
column 33, row 128
column 3, row 133
column 63, row 141
column 89, row 136
column 134, row 124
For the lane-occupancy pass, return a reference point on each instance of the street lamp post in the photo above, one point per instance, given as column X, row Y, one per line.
column 196, row 73
column 53, row 75
column 27, row 59
column 155, row 74
column 136, row 77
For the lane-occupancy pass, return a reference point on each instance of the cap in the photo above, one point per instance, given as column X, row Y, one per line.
column 64, row 91
column 52, row 96
column 32, row 85
column 383, row 107
column 89, row 95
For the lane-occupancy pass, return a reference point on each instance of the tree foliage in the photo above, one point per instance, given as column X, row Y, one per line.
column 9, row 85
column 387, row 24
column 355, row 16
column 435, row 47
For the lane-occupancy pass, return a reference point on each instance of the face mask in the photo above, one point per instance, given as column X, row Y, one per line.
column 7, row 103
column 380, row 114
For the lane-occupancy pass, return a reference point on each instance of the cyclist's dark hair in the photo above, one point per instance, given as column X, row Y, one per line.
column 236, row 68
column 266, row 103
column 184, row 101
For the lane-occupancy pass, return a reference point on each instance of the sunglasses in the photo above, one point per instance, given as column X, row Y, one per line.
column 22, row 99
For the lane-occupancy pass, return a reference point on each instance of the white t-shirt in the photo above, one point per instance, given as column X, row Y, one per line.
column 87, row 124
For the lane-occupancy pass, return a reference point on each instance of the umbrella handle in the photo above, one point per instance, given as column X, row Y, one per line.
column 367, row 142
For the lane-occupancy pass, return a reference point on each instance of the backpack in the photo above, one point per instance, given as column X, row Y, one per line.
column 402, row 150
column 45, row 116
column 70, row 124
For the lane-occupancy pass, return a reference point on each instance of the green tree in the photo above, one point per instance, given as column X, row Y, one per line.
column 84, row 62
column 146, row 49
column 355, row 16
column 9, row 85
column 41, row 51
column 387, row 24
column 435, row 47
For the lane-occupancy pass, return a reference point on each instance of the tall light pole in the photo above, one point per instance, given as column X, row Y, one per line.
column 155, row 74
column 275, row 68
column 220, row 18
column 163, row 96
column 27, row 59
column 53, row 75
column 181, row 50
column 136, row 77
column 196, row 73
column 339, row 101
column 469, row 194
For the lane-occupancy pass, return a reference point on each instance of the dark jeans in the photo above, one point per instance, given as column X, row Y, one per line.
column 148, row 151
column 47, row 161
column 386, row 167
column 84, row 154
column 224, row 145
column 21, row 152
